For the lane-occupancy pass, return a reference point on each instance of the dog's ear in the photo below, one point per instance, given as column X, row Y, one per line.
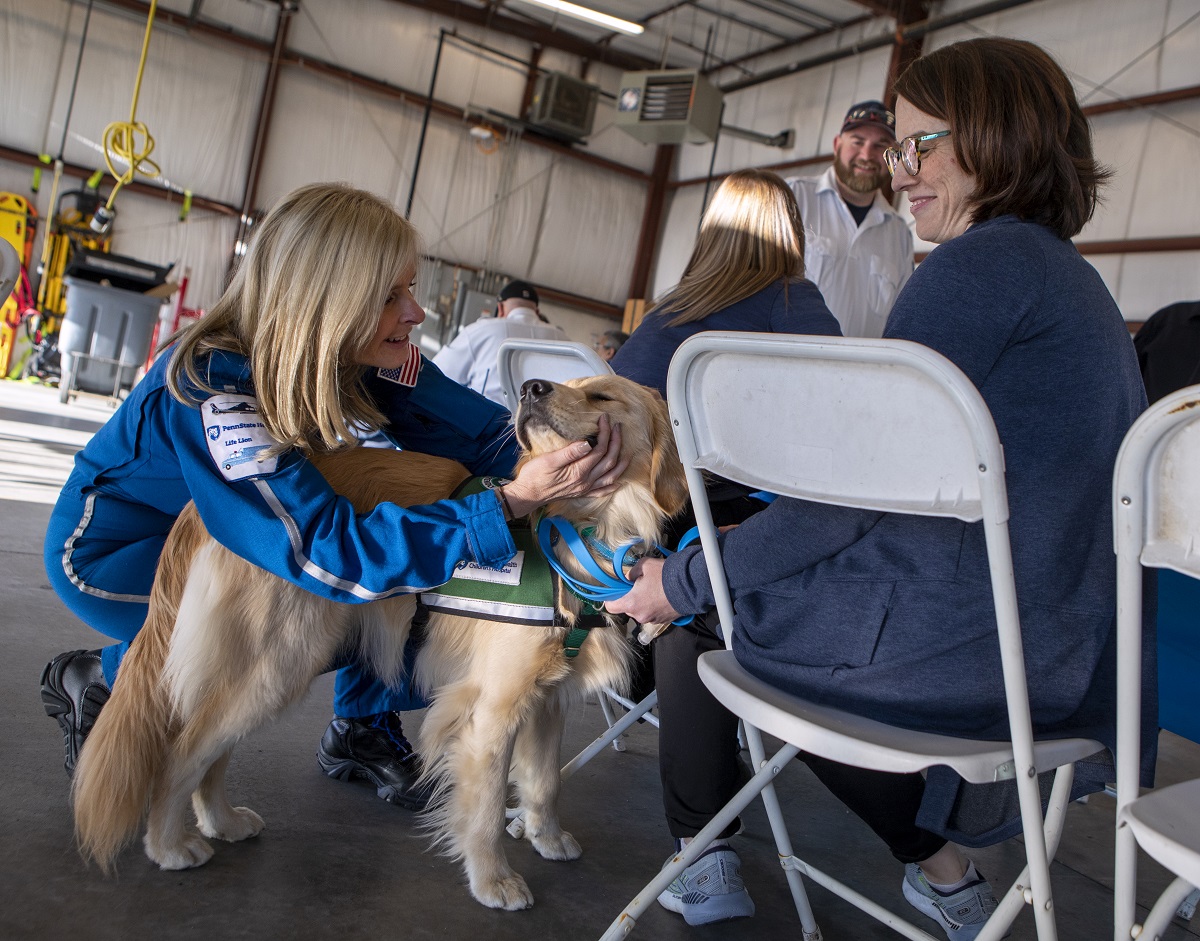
column 666, row 471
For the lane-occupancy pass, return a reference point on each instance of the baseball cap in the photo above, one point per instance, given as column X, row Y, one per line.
column 870, row 112
column 518, row 289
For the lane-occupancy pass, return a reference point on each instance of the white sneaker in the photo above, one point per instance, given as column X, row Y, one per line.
column 710, row 889
column 962, row 913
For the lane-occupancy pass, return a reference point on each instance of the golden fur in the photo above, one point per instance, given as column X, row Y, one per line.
column 227, row 646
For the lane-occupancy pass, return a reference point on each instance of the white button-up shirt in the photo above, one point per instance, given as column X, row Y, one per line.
column 470, row 359
column 859, row 268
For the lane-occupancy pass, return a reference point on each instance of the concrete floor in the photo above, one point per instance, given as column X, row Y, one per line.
column 336, row 861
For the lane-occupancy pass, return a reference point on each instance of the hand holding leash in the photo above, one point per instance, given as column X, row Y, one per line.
column 579, row 469
column 646, row 601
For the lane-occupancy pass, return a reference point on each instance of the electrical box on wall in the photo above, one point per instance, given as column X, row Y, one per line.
column 563, row 105
column 673, row 107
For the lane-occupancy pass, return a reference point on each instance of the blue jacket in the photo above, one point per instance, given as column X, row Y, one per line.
column 891, row 616
column 783, row 307
column 155, row 454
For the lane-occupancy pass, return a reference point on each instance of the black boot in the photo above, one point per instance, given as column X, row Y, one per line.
column 374, row 748
column 73, row 692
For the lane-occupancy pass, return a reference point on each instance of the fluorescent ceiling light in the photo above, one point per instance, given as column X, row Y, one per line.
column 583, row 13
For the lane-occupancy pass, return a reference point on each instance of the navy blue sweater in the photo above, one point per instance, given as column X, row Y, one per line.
column 891, row 616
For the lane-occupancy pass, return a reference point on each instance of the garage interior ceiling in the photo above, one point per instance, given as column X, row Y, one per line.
column 701, row 34
column 250, row 98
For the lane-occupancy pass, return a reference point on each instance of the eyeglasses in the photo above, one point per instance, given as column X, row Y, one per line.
column 908, row 152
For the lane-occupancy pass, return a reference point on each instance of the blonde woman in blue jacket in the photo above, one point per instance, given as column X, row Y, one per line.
column 309, row 346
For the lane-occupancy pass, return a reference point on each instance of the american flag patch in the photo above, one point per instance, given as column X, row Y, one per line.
column 407, row 374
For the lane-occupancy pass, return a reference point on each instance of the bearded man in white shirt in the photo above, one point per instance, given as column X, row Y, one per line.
column 858, row 250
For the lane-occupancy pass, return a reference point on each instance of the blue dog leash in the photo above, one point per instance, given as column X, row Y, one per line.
column 609, row 587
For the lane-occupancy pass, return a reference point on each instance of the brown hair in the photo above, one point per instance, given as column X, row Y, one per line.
column 750, row 237
column 1016, row 127
column 301, row 307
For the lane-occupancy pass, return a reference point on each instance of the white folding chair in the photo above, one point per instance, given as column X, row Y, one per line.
column 556, row 360
column 519, row 360
column 1156, row 518
column 878, row 424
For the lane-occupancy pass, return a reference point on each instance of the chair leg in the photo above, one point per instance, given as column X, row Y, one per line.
column 618, row 728
column 610, row 720
column 783, row 840
column 628, row 704
column 626, row 921
column 1125, row 883
column 516, row 826
column 1164, row 909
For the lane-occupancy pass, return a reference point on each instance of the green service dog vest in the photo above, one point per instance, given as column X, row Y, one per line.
column 519, row 592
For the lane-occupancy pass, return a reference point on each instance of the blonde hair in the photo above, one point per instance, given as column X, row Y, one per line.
column 303, row 304
column 750, row 237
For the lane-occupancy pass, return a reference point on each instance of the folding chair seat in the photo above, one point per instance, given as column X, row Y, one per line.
column 882, row 425
column 519, row 360
column 1156, row 518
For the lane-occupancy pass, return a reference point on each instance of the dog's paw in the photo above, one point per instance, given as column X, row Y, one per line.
column 193, row 851
column 509, row 893
column 563, row 846
column 236, row 823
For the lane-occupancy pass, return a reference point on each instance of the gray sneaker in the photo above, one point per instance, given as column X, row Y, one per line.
column 962, row 914
column 710, row 889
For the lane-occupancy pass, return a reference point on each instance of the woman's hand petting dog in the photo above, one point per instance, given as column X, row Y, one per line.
column 646, row 601
column 578, row 470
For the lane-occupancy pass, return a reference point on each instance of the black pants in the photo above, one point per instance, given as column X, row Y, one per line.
column 698, row 750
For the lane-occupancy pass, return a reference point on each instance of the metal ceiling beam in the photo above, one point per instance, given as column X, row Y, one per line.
column 789, row 16
column 1106, row 107
column 664, row 11
column 1143, row 101
column 262, row 124
column 879, row 7
column 915, row 31
column 652, row 217
column 789, row 44
column 136, row 186
column 185, row 24
column 801, row 8
column 905, row 52
column 543, row 35
column 757, row 27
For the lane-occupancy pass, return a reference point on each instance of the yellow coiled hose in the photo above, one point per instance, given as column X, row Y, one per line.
column 130, row 141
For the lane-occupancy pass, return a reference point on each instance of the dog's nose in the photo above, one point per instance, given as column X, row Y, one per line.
column 534, row 389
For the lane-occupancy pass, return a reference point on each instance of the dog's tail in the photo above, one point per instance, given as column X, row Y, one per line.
column 124, row 753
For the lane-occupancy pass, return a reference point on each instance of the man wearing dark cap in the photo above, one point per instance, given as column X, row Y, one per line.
column 857, row 250
column 470, row 359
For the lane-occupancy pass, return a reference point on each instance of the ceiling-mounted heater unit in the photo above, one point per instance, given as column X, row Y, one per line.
column 674, row 107
column 563, row 105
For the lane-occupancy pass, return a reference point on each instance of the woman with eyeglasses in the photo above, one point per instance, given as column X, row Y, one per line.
column 891, row 616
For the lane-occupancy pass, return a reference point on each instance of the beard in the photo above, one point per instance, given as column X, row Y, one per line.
column 856, row 180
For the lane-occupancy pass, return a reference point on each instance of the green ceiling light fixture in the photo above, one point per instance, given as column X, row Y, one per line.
column 588, row 15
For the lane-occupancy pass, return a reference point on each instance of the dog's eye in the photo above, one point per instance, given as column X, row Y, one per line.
column 599, row 397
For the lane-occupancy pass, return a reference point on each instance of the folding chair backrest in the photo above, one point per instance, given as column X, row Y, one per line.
column 884, row 425
column 1156, row 523
column 878, row 424
column 556, row 360
column 1156, row 486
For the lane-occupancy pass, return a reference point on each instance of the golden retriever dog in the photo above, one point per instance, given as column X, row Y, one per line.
column 227, row 647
